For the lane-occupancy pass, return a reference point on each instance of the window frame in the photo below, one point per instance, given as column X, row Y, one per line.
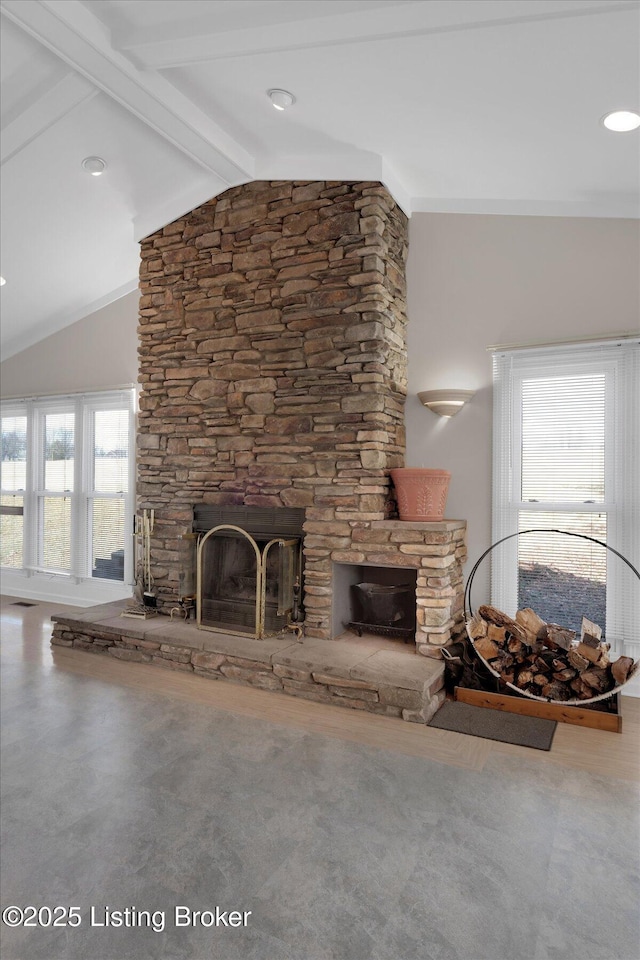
column 83, row 406
column 619, row 361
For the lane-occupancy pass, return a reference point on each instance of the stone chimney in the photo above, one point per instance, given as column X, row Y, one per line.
column 273, row 372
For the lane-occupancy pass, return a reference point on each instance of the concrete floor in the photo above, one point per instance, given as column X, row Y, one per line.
column 123, row 797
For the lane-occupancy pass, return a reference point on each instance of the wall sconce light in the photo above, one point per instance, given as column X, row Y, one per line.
column 446, row 403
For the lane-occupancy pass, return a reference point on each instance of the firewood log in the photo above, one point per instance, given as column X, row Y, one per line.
column 556, row 691
column 517, row 647
column 559, row 636
column 493, row 615
column 534, row 626
column 498, row 634
column 580, row 688
column 542, row 665
column 620, row 669
column 548, row 656
column 504, row 662
column 577, row 661
column 477, row 627
column 487, row 648
column 592, row 654
column 597, row 679
column 524, row 677
column 564, row 675
column 590, row 633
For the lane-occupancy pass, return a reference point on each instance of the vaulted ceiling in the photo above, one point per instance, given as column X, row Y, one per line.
column 477, row 106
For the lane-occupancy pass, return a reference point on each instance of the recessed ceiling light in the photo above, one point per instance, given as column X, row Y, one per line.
column 622, row 121
column 281, row 99
column 94, row 165
column 2, row 281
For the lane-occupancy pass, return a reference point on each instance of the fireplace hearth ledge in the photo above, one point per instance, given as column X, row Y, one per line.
column 344, row 673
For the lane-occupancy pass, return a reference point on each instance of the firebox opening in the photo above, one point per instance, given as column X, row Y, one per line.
column 385, row 611
column 249, row 569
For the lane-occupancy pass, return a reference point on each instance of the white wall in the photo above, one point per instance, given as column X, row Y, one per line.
column 97, row 352
column 480, row 280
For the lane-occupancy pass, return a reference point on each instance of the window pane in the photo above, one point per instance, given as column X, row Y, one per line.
column 563, row 578
column 11, row 531
column 56, row 532
column 14, row 453
column 111, row 460
column 563, row 438
column 59, row 451
column 107, row 539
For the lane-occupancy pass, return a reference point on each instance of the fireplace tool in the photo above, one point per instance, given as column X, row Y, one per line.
column 295, row 620
column 148, row 521
column 187, row 577
column 143, row 604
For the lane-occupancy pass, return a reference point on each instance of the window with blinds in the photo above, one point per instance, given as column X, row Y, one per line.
column 566, row 454
column 66, row 468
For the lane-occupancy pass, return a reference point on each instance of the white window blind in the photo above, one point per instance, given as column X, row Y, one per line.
column 67, row 490
column 566, row 457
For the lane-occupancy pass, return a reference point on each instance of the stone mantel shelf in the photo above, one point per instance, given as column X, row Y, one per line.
column 344, row 672
column 434, row 526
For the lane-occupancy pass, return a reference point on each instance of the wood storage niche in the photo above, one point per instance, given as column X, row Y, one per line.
column 544, row 661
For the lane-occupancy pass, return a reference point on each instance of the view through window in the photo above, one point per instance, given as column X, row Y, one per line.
column 562, row 463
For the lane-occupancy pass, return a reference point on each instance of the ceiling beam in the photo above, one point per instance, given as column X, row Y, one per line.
column 178, row 44
column 75, row 35
column 46, row 110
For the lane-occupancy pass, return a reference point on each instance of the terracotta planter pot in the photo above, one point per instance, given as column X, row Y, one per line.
column 421, row 493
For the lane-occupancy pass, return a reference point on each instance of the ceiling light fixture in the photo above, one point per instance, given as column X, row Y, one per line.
column 281, row 99
column 622, row 121
column 446, row 403
column 96, row 166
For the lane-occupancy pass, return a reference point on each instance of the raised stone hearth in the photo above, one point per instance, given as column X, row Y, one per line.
column 369, row 674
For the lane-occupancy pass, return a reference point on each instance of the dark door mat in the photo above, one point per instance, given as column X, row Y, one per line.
column 495, row 725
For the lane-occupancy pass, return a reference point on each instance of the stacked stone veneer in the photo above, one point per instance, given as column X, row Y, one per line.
column 273, row 373
column 436, row 551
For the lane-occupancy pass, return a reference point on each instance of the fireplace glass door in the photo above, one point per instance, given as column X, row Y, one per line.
column 246, row 583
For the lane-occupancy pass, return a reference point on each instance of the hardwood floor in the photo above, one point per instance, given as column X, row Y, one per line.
column 26, row 632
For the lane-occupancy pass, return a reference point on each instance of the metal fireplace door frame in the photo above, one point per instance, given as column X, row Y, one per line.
column 261, row 579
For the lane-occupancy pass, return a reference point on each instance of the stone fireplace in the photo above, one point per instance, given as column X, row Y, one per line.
column 273, row 375
column 273, row 378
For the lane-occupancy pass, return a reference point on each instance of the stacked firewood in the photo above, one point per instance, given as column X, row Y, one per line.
column 545, row 659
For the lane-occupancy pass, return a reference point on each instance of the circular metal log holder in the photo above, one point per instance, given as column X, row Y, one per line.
column 468, row 614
